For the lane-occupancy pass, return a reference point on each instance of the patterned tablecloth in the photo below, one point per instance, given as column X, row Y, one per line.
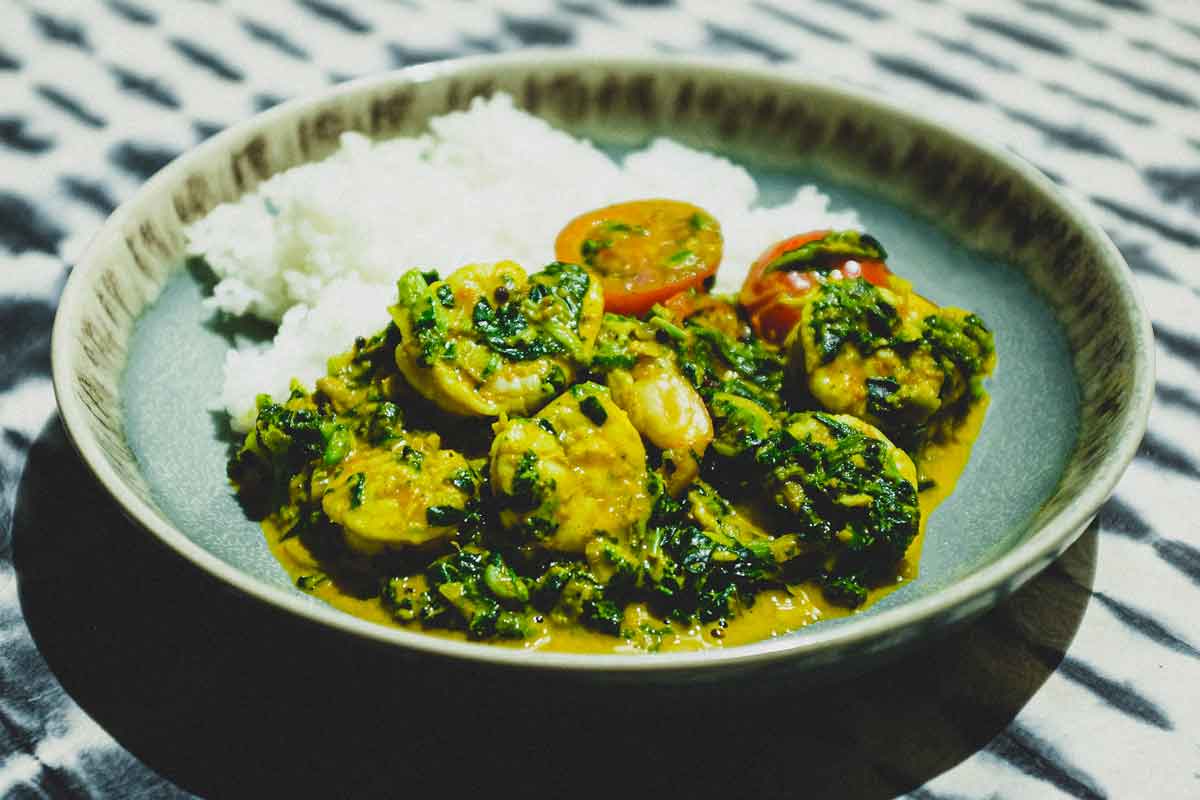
column 124, row 673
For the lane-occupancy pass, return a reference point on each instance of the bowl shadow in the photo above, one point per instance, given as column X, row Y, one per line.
column 224, row 696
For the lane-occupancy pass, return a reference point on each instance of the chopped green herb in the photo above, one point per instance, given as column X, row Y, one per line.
column 555, row 380
column 504, row 583
column 338, row 446
column 881, row 393
column 592, row 248
column 545, row 323
column 828, row 252
column 463, row 480
column 358, row 488
column 965, row 344
column 852, row 311
column 593, row 410
column 310, row 582
column 428, row 318
column 411, row 456
column 444, row 515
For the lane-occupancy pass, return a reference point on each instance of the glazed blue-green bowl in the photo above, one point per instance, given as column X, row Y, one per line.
column 137, row 357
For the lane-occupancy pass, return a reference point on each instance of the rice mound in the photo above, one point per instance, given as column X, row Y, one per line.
column 318, row 248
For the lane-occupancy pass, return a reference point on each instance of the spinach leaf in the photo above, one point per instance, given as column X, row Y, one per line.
column 829, row 252
column 852, row 311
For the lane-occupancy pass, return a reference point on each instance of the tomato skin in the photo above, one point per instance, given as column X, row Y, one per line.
column 643, row 251
column 756, row 291
column 683, row 304
column 636, row 304
column 775, row 320
column 876, row 272
column 716, row 312
column 772, row 299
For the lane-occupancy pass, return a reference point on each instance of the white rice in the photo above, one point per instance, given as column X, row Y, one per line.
column 318, row 248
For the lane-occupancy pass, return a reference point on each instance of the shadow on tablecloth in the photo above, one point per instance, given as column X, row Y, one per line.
column 224, row 696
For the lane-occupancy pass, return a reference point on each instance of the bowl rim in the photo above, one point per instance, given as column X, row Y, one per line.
column 991, row 582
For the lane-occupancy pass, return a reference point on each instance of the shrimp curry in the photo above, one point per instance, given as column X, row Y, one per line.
column 511, row 460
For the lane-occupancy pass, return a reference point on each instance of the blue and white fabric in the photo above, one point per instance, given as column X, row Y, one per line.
column 123, row 673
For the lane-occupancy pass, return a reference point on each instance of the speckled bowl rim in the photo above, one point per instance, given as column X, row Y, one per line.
column 965, row 598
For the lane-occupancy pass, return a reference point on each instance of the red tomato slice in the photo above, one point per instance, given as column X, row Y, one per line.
column 643, row 251
column 772, row 296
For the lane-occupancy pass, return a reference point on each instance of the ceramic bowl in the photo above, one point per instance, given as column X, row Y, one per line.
column 137, row 357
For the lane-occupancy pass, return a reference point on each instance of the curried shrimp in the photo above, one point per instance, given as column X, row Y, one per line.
column 668, row 411
column 490, row 339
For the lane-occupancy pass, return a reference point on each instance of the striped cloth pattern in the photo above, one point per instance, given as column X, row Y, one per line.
column 1085, row 684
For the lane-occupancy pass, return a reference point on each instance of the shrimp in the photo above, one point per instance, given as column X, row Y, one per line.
column 408, row 494
column 490, row 339
column 888, row 356
column 575, row 472
column 665, row 408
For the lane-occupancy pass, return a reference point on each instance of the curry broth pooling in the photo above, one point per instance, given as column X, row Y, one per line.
column 506, row 460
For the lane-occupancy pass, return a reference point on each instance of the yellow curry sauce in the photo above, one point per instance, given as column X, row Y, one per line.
column 774, row 612
column 696, row 391
column 603, row 457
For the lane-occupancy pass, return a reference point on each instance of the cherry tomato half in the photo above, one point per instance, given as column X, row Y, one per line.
column 787, row 270
column 643, row 251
